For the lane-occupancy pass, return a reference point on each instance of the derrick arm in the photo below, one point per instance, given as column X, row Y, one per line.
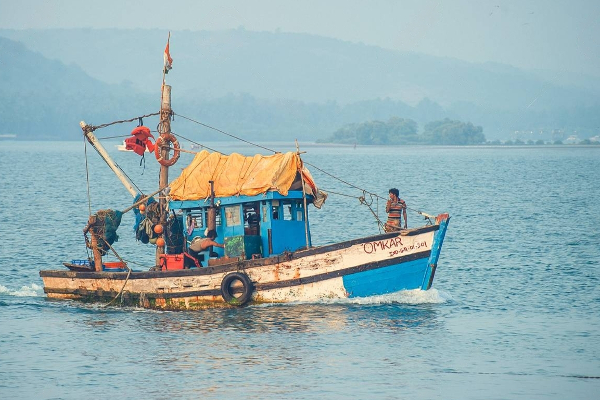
column 93, row 140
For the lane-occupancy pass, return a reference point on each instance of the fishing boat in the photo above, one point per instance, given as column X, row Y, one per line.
column 259, row 207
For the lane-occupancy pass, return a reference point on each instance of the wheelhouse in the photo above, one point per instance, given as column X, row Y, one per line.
column 249, row 226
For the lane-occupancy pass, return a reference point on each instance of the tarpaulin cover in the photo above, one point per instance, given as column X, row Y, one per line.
column 236, row 174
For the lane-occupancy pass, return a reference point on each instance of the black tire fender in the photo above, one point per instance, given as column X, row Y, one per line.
column 227, row 288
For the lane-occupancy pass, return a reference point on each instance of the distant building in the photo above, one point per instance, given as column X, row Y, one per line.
column 573, row 139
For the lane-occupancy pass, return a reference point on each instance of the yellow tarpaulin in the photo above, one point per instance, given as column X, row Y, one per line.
column 236, row 174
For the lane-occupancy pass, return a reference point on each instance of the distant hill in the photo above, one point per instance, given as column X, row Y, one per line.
column 272, row 84
column 46, row 99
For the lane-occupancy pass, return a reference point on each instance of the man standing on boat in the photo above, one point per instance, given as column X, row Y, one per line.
column 396, row 209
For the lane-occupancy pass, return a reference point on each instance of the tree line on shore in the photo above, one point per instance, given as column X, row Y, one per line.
column 401, row 131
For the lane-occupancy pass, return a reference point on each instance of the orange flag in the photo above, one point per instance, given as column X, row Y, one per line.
column 167, row 58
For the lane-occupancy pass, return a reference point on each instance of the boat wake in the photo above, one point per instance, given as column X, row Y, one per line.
column 25, row 291
column 410, row 297
column 416, row 296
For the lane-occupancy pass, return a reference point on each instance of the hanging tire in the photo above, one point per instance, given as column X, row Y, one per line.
column 236, row 289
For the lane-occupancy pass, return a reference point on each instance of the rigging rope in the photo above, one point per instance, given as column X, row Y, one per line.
column 121, row 291
column 363, row 200
column 87, row 176
column 196, row 143
column 94, row 127
column 339, row 179
column 113, row 137
column 225, row 133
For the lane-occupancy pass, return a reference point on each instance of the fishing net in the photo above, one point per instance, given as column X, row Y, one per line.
column 111, row 220
column 105, row 225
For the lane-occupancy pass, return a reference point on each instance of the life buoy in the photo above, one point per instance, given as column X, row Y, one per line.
column 228, row 288
column 140, row 140
column 158, row 149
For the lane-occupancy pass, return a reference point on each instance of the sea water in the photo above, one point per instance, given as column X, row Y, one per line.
column 514, row 312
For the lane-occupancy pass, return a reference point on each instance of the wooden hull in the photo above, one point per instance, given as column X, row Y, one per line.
column 363, row 267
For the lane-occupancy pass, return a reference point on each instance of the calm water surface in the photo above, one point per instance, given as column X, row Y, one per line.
column 513, row 313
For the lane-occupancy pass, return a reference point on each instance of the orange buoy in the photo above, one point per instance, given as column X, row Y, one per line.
column 142, row 208
column 160, row 242
column 158, row 228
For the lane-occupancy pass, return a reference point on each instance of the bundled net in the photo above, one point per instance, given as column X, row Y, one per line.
column 105, row 227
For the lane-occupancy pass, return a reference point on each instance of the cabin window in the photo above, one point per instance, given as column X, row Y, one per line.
column 275, row 209
column 195, row 218
column 287, row 211
column 299, row 214
column 292, row 211
column 232, row 216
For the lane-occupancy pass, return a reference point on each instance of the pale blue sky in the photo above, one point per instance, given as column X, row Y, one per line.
column 559, row 35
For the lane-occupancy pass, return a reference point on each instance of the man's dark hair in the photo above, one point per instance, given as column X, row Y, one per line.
column 395, row 191
column 212, row 234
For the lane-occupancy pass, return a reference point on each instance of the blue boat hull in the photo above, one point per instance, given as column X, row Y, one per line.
column 404, row 275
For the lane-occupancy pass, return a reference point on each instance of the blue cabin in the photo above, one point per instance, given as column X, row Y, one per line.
column 249, row 226
column 256, row 204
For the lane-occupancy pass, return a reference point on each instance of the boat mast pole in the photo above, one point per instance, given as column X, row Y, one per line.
column 164, row 129
column 303, row 196
column 93, row 140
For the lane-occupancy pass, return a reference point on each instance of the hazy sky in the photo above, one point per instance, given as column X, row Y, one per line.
column 550, row 34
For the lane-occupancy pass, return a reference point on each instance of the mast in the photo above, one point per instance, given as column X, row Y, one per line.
column 164, row 129
column 303, row 196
